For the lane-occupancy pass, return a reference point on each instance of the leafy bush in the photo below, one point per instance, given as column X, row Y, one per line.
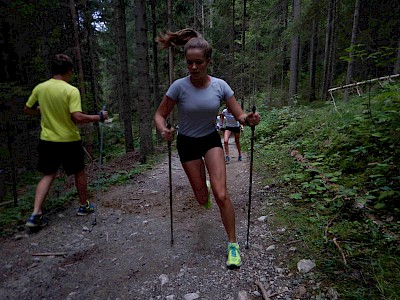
column 341, row 170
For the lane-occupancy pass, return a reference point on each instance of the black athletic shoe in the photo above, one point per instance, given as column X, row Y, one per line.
column 36, row 221
column 85, row 209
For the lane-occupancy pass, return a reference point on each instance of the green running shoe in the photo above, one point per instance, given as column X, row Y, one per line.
column 208, row 203
column 85, row 209
column 234, row 261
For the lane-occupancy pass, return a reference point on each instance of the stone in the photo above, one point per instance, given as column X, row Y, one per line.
column 305, row 265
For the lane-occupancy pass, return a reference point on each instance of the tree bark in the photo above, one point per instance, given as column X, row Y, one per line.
column 333, row 48
column 156, row 77
column 294, row 54
column 78, row 50
column 396, row 69
column 285, row 63
column 170, row 56
column 327, row 51
column 313, row 51
column 244, row 25
column 350, row 65
column 142, row 71
column 94, row 86
column 123, row 86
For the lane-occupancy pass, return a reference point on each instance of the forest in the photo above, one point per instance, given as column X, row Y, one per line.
column 287, row 51
column 294, row 60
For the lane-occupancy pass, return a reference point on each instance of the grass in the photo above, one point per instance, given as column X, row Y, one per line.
column 342, row 198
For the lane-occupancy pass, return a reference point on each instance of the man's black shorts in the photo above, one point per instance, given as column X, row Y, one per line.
column 54, row 154
column 190, row 148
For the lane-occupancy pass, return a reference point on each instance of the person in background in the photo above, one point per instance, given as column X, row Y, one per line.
column 232, row 126
column 219, row 124
column 199, row 97
column 59, row 105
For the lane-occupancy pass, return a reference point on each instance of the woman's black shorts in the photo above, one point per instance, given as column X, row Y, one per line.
column 190, row 148
column 54, row 154
column 233, row 129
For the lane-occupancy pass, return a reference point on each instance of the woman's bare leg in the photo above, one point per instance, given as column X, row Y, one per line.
column 195, row 170
column 237, row 141
column 215, row 163
column 196, row 173
column 227, row 134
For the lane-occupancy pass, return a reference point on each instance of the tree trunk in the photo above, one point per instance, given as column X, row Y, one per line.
column 244, row 25
column 327, row 52
column 313, row 51
column 294, row 54
column 78, row 50
column 123, row 86
column 333, row 48
column 156, row 78
column 232, row 46
column 94, row 86
column 285, row 63
column 142, row 71
column 170, row 57
column 350, row 65
column 396, row 69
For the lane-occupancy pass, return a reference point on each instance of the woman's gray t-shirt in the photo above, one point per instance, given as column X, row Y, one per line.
column 198, row 107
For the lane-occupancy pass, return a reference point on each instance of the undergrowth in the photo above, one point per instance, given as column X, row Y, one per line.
column 63, row 191
column 340, row 169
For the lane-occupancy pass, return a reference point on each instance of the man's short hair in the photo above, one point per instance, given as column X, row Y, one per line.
column 61, row 64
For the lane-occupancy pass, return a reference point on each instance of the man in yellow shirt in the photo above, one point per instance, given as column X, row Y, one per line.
column 59, row 105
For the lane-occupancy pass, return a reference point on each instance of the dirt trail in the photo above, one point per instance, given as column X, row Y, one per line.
column 128, row 254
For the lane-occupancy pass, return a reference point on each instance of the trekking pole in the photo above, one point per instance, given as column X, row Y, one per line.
column 98, row 177
column 170, row 185
column 251, row 178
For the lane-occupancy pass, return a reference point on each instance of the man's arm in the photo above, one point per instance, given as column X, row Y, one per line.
column 32, row 111
column 79, row 117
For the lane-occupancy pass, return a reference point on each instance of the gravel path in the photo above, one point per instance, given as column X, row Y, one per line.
column 128, row 254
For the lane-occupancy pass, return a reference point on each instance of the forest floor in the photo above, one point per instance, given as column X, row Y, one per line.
column 129, row 255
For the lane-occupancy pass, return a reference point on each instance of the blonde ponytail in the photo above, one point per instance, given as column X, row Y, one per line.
column 187, row 37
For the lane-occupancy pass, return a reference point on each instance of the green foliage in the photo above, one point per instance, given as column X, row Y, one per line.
column 341, row 172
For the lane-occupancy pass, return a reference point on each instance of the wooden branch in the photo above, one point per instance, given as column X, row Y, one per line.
column 50, row 254
column 329, row 224
column 7, row 202
column 263, row 291
column 88, row 154
column 340, row 249
column 363, row 82
column 293, row 242
column 275, row 294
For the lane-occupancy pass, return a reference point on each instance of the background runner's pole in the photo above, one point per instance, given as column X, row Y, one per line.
column 170, row 185
column 99, row 171
column 251, row 179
